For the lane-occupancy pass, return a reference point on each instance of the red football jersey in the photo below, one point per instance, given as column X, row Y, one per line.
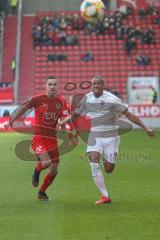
column 47, row 112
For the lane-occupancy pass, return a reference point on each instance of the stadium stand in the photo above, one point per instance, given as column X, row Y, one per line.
column 9, row 47
column 110, row 58
column 7, row 53
column 1, row 39
column 26, row 83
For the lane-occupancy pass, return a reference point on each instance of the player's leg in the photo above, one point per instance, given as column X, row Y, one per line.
column 51, row 173
column 110, row 153
column 44, row 162
column 40, row 149
column 109, row 167
column 97, row 176
column 48, row 179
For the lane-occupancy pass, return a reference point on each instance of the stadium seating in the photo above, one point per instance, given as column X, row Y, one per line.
column 26, row 85
column 9, row 48
column 110, row 60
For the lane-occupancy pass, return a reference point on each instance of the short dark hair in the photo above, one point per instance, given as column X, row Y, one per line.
column 51, row 77
column 98, row 77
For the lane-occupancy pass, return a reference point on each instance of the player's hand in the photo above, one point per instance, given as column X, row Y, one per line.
column 58, row 126
column 150, row 132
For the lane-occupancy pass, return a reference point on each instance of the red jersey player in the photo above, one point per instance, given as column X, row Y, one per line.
column 48, row 109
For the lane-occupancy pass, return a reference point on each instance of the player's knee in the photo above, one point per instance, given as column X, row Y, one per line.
column 53, row 170
column 109, row 168
column 94, row 157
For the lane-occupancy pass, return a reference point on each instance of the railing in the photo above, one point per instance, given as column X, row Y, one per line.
column 2, row 18
column 18, row 48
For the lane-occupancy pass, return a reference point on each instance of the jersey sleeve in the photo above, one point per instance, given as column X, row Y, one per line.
column 32, row 103
column 81, row 109
column 121, row 107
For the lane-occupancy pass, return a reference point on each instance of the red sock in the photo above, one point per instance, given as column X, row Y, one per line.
column 48, row 179
column 39, row 167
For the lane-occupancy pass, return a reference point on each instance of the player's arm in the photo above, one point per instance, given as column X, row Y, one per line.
column 133, row 118
column 69, row 119
column 79, row 111
column 18, row 113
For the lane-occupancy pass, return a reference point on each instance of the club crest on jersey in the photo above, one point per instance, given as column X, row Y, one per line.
column 58, row 106
column 102, row 103
column 44, row 104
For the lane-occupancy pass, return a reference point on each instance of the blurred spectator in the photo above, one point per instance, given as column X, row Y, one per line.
column 118, row 15
column 56, row 37
column 56, row 22
column 37, row 36
column 106, row 23
column 56, row 57
column 129, row 45
column 63, row 36
column 131, row 31
column 154, row 95
column 90, row 29
column 13, row 67
column 77, row 23
column 142, row 59
column 123, row 10
column 142, row 13
column 152, row 9
column 130, row 10
column 63, row 22
column 4, row 6
column 71, row 40
column 87, row 57
column 119, row 33
column 100, row 29
column 6, row 113
column 14, row 5
column 138, row 32
column 158, row 20
column 148, row 36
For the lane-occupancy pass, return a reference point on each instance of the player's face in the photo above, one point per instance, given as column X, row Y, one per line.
column 52, row 87
column 97, row 87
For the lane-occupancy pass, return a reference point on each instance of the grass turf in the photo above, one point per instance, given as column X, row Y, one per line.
column 134, row 187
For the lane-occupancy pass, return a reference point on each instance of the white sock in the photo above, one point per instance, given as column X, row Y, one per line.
column 98, row 178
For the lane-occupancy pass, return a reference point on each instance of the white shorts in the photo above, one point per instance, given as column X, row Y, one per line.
column 108, row 147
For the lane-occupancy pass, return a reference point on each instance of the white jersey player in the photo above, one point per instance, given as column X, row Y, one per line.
column 102, row 107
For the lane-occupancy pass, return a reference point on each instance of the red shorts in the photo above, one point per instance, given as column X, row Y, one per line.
column 46, row 145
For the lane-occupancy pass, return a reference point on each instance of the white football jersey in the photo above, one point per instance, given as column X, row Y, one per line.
column 102, row 110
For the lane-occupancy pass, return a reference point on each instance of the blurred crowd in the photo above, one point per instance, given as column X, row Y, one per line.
column 9, row 6
column 1, row 31
column 53, row 30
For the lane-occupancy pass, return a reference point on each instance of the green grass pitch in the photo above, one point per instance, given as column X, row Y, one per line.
column 134, row 187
